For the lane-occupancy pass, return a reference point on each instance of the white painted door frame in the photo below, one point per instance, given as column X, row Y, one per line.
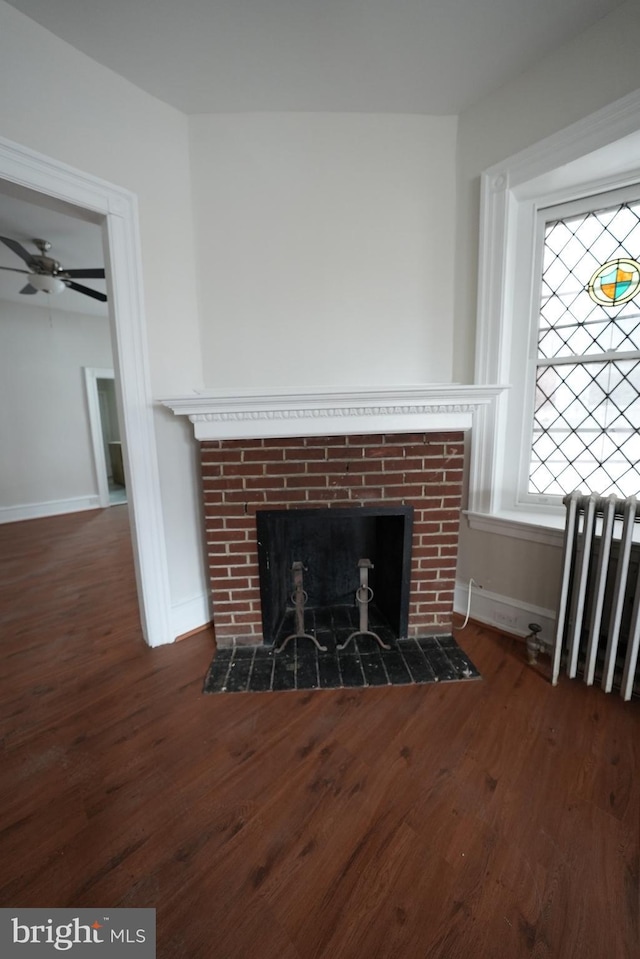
column 91, row 377
column 117, row 210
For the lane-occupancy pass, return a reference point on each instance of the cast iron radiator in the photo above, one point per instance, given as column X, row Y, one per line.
column 598, row 621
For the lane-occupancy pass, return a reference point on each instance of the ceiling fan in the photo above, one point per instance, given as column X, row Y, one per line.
column 45, row 275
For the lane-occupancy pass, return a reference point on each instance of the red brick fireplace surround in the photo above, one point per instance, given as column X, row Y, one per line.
column 326, row 450
column 422, row 470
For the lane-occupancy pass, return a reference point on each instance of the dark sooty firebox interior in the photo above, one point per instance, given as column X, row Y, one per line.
column 329, row 543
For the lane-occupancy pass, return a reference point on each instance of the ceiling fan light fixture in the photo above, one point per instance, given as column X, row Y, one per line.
column 46, row 284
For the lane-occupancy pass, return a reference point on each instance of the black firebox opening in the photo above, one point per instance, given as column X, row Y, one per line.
column 329, row 543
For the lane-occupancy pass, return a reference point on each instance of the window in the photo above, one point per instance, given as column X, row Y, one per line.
column 586, row 415
column 557, row 325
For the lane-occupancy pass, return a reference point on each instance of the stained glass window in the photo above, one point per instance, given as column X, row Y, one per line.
column 586, row 418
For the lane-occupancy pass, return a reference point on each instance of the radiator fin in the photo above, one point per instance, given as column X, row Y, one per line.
column 594, row 632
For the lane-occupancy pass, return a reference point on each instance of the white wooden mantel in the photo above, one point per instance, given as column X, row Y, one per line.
column 227, row 414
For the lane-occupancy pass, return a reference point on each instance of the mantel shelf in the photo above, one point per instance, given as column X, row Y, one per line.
column 218, row 414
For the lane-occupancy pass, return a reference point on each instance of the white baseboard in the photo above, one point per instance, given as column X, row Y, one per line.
column 56, row 507
column 501, row 612
column 190, row 615
column 510, row 615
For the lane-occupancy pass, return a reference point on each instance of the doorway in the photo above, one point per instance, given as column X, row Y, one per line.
column 105, row 436
column 57, row 186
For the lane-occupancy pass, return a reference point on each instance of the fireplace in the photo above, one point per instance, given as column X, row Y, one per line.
column 386, row 453
column 327, row 551
column 241, row 478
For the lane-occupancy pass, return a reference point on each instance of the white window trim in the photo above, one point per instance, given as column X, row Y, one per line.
column 544, row 215
column 596, row 154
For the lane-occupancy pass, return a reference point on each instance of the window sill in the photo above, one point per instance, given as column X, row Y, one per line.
column 535, row 527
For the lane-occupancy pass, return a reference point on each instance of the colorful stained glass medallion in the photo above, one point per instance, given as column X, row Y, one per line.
column 615, row 282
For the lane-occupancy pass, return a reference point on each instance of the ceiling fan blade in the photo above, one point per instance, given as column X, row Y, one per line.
column 87, row 292
column 97, row 274
column 18, row 249
column 13, row 269
column 28, row 289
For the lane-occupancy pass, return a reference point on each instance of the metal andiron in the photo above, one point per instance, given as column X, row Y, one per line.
column 364, row 595
column 299, row 599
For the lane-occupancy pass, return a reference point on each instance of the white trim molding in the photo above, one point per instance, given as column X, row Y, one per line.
column 534, row 528
column 91, row 376
column 56, row 507
column 503, row 613
column 253, row 415
column 116, row 209
column 190, row 615
column 597, row 153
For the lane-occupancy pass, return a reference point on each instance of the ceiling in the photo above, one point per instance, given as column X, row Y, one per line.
column 434, row 57
column 410, row 56
column 75, row 242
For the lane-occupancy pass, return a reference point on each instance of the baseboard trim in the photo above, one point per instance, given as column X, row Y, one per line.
column 194, row 632
column 190, row 616
column 504, row 613
column 57, row 507
column 491, row 609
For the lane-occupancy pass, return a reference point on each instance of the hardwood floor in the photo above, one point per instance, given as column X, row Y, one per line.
column 491, row 819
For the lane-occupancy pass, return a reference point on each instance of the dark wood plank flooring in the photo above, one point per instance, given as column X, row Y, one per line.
column 490, row 819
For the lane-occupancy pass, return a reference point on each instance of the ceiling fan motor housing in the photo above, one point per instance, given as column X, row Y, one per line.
column 44, row 264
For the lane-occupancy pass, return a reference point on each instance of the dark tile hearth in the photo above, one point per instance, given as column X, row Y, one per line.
column 301, row 666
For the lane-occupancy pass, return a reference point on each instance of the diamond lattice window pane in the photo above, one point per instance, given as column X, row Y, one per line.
column 576, row 247
column 586, row 427
column 580, row 341
column 629, row 326
column 585, row 431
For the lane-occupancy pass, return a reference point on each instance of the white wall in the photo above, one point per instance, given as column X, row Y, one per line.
column 59, row 102
column 339, row 225
column 47, row 459
column 595, row 69
column 324, row 248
